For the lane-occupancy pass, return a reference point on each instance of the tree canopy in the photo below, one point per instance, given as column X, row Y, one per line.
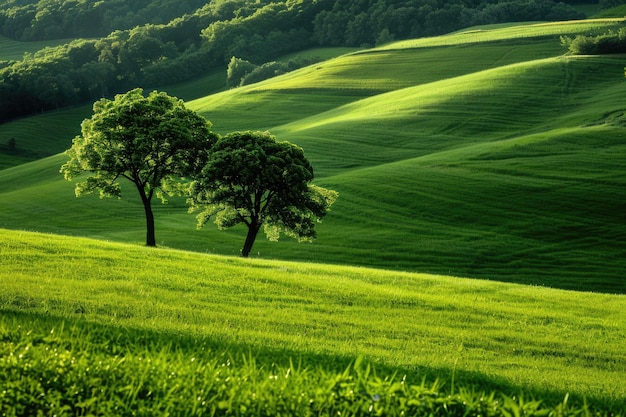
column 613, row 42
column 146, row 140
column 29, row 20
column 252, row 178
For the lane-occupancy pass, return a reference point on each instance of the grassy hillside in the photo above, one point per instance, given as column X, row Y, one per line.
column 130, row 319
column 483, row 154
column 35, row 139
column 15, row 50
column 40, row 136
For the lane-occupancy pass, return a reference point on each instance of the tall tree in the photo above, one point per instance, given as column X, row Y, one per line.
column 147, row 140
column 253, row 179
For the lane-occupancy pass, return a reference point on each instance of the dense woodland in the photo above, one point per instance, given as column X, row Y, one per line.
column 126, row 44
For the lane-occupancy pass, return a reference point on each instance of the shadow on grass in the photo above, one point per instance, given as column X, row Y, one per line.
column 78, row 334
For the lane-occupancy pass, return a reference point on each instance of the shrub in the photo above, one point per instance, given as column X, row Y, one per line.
column 607, row 43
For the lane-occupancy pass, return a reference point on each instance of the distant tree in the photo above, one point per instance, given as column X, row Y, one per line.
column 263, row 72
column 384, row 37
column 607, row 4
column 147, row 140
column 12, row 144
column 253, row 179
column 607, row 43
column 237, row 69
column 254, row 74
column 330, row 27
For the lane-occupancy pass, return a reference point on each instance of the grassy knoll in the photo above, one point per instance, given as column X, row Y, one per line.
column 617, row 11
column 123, row 328
column 328, row 85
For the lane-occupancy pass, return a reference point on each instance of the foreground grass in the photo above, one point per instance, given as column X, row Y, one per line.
column 120, row 323
column 71, row 369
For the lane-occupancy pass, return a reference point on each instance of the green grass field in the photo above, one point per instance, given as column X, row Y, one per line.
column 486, row 158
column 74, row 308
column 482, row 174
column 508, row 167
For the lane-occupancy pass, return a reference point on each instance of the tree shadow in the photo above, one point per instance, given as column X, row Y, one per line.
column 118, row 340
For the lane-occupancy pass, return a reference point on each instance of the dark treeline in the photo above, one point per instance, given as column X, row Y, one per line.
column 200, row 39
column 30, row 20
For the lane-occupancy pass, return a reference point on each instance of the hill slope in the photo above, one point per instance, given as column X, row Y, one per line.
column 95, row 301
column 483, row 154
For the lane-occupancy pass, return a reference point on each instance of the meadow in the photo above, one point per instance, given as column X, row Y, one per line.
column 167, row 329
column 506, row 167
column 472, row 265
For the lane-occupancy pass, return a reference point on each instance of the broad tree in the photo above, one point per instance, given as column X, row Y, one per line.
column 252, row 178
column 147, row 140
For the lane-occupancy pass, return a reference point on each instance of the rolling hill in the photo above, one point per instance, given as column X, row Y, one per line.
column 481, row 154
column 101, row 328
column 484, row 154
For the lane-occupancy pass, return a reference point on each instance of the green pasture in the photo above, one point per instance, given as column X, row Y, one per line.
column 500, row 159
column 484, row 107
column 50, row 133
column 481, row 173
column 69, row 304
column 325, row 86
column 510, row 32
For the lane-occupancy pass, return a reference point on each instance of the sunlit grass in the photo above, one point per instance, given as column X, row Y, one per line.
column 491, row 335
column 513, row 31
column 617, row 11
column 479, row 107
column 348, row 78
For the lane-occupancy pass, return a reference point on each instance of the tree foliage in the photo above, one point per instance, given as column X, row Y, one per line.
column 242, row 72
column 607, row 43
column 237, row 69
column 146, row 140
column 252, row 178
column 57, row 19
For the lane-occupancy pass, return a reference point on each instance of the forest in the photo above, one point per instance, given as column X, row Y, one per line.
column 118, row 45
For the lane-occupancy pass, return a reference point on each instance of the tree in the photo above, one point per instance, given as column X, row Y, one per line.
column 253, row 179
column 237, row 69
column 147, row 140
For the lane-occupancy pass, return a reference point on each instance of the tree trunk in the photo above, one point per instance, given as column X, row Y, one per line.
column 150, row 235
column 253, row 230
